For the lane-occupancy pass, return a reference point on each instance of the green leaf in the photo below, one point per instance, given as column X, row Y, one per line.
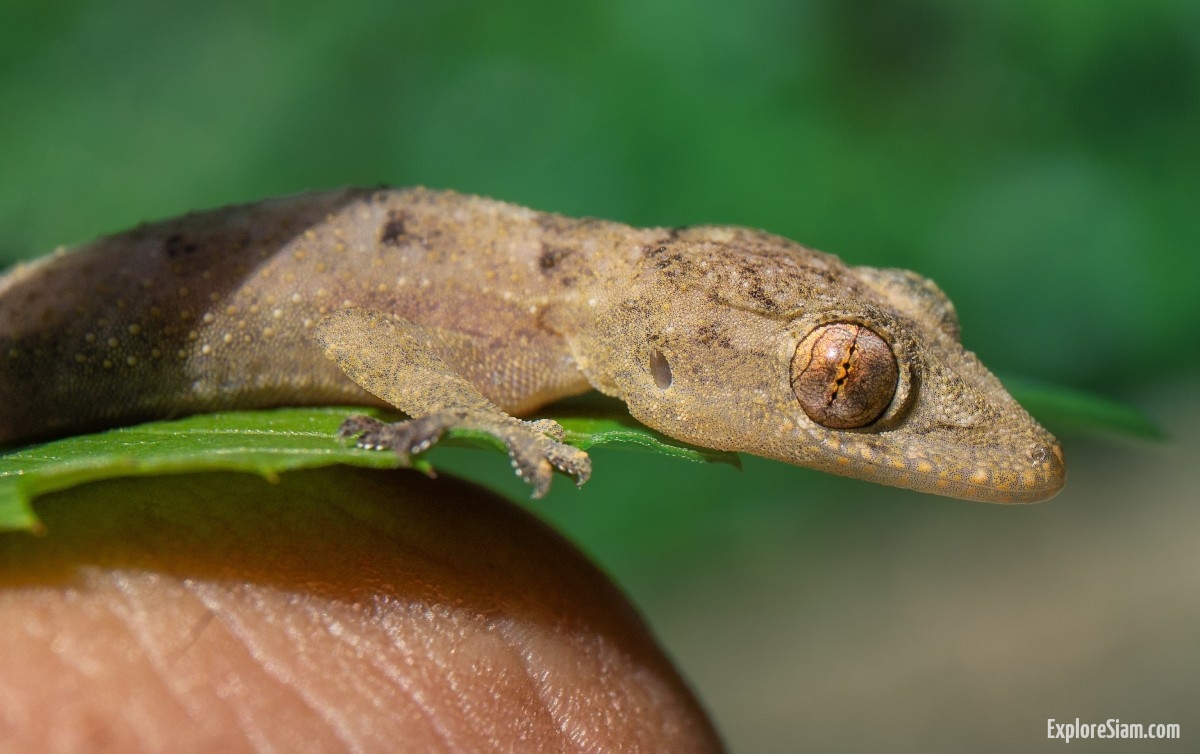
column 1078, row 410
column 270, row 442
column 265, row 443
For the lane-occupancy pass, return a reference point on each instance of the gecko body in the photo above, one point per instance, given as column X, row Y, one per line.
column 463, row 311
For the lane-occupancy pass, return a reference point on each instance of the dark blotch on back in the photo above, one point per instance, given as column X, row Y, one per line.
column 552, row 256
column 175, row 246
column 393, row 230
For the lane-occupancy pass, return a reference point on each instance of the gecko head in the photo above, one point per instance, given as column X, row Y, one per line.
column 857, row 371
column 891, row 402
column 893, row 396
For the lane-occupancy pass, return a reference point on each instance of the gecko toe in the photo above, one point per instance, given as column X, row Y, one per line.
column 570, row 460
column 534, row 470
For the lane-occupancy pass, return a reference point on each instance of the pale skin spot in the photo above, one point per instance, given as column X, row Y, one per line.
column 925, row 467
column 979, row 477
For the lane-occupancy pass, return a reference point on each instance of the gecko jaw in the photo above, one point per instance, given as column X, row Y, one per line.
column 1000, row 480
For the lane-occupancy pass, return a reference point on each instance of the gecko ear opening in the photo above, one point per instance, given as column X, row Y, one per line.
column 844, row 375
column 660, row 369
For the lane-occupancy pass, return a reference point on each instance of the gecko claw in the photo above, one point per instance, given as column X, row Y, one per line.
column 571, row 461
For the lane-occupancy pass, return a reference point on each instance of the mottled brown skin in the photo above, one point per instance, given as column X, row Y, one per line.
column 463, row 311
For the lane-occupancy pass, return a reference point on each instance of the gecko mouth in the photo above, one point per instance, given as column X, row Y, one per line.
column 1004, row 475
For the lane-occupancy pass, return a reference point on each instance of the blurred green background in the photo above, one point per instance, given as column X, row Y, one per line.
column 1039, row 159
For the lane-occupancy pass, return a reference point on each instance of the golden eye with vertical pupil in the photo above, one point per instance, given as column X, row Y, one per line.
column 844, row 375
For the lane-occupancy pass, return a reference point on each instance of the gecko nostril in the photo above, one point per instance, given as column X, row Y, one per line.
column 844, row 375
column 1047, row 455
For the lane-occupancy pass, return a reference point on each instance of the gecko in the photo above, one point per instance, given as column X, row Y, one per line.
column 465, row 312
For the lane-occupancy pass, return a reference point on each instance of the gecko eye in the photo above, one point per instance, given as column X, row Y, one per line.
column 844, row 375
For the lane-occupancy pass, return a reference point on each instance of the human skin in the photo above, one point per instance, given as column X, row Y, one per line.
column 336, row 610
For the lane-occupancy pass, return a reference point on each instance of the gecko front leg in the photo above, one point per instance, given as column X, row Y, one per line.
column 397, row 361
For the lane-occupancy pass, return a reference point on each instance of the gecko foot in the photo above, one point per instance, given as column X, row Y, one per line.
column 536, row 450
column 405, row 438
column 535, row 447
